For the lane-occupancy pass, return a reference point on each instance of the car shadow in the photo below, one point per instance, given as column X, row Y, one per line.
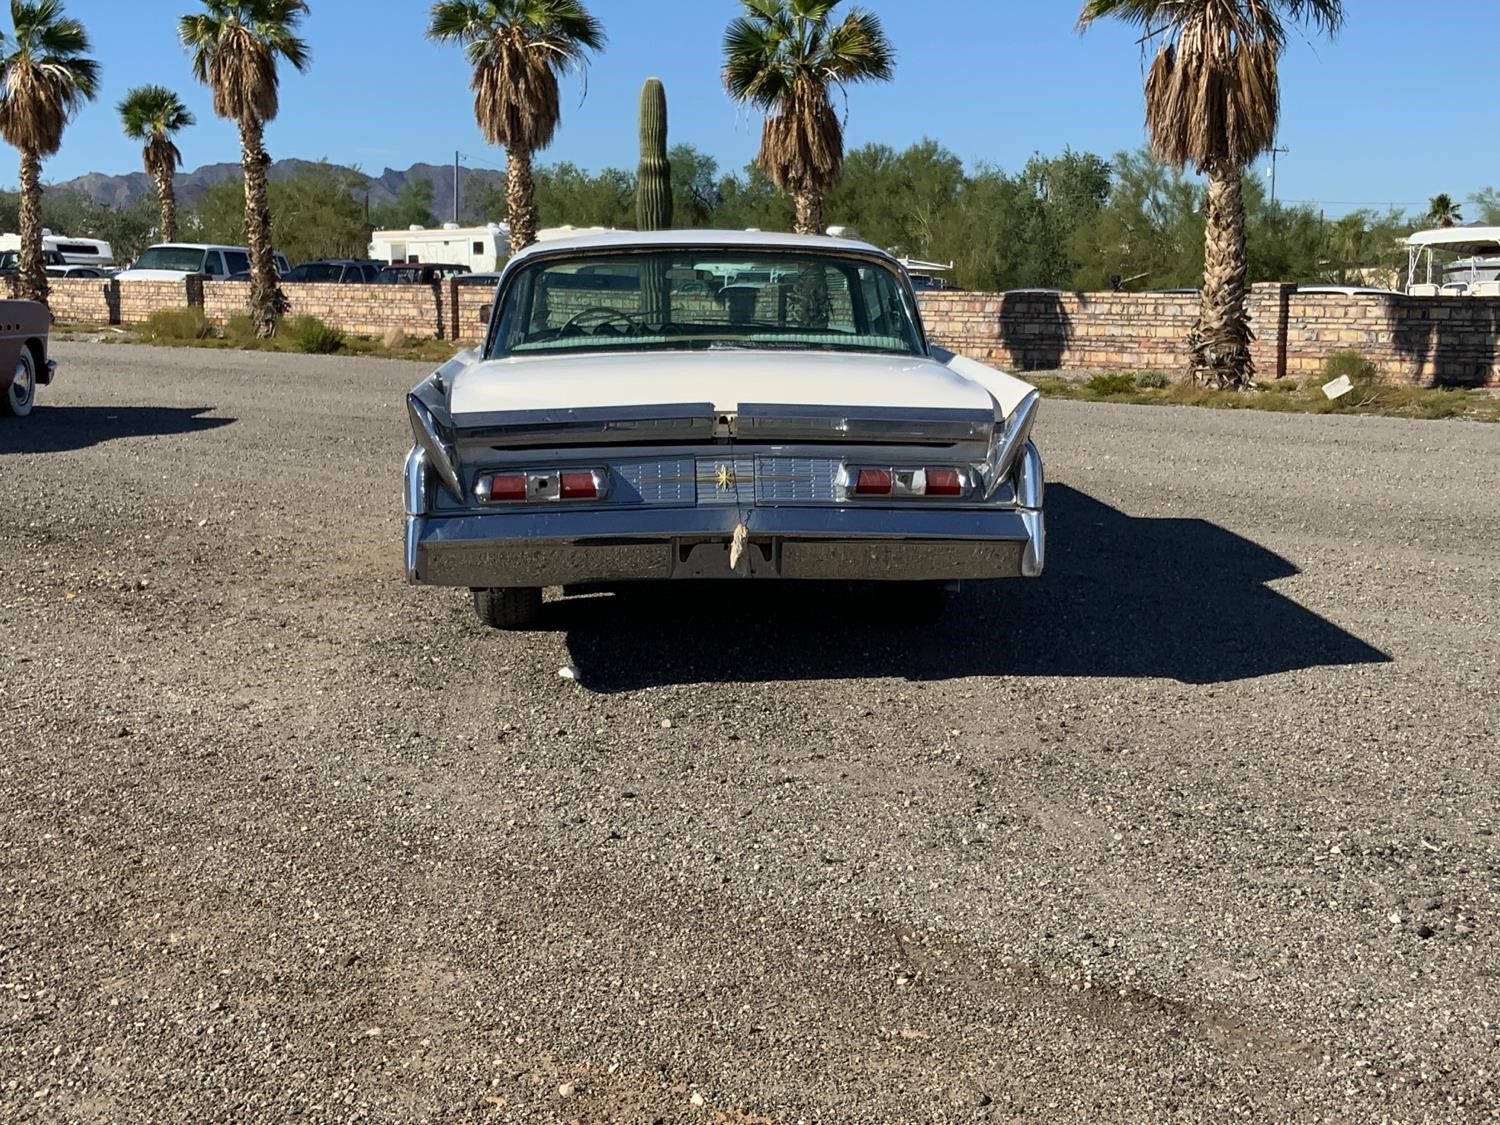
column 58, row 429
column 1180, row 599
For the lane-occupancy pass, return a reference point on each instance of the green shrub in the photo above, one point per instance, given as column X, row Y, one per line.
column 1104, row 385
column 315, row 337
column 1152, row 380
column 187, row 323
column 1352, row 363
column 239, row 328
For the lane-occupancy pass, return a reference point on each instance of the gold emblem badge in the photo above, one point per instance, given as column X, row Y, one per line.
column 724, row 478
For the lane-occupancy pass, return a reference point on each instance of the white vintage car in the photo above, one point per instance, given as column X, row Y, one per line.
column 714, row 404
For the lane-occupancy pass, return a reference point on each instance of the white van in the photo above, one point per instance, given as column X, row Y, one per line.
column 173, row 261
column 74, row 251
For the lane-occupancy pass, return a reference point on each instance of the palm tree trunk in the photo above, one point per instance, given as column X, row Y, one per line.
column 809, row 212
column 166, row 198
column 267, row 302
column 520, row 199
column 1220, row 341
column 31, row 274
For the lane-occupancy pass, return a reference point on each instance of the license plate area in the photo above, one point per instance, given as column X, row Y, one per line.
column 710, row 559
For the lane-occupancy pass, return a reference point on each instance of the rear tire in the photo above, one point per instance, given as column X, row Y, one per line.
column 20, row 395
column 511, row 607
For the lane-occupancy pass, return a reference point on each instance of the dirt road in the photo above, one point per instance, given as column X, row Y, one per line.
column 1201, row 825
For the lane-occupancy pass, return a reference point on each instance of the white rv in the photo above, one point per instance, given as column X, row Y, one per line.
column 74, row 251
column 482, row 249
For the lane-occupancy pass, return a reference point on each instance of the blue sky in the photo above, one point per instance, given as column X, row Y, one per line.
column 1390, row 113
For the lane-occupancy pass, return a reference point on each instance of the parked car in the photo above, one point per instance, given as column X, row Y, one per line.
column 347, row 271
column 23, row 355
column 79, row 271
column 176, row 260
column 478, row 279
column 10, row 260
column 418, row 273
column 639, row 432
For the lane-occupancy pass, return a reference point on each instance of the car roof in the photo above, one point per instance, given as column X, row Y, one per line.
column 693, row 239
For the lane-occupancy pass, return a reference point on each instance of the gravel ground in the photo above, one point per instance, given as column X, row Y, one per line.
column 1199, row 826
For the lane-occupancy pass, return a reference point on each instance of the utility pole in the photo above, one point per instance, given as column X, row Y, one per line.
column 456, row 155
column 1274, row 151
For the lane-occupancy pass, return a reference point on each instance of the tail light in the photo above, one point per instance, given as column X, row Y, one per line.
column 899, row 483
column 542, row 487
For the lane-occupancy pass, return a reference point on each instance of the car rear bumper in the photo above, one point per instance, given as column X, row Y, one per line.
column 556, row 548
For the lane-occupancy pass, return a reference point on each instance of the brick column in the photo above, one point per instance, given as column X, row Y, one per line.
column 1268, row 305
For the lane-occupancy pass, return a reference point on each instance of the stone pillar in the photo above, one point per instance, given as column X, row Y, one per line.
column 1268, row 305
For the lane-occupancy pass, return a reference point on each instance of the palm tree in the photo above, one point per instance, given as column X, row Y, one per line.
column 235, row 45
column 152, row 115
column 45, row 77
column 1213, row 100
column 785, row 57
column 518, row 49
column 1443, row 211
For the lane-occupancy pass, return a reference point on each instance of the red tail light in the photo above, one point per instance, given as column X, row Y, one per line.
column 578, row 486
column 944, row 482
column 505, row 488
column 542, row 487
column 905, row 484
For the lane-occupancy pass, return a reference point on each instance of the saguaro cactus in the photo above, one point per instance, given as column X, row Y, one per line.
column 653, row 182
column 653, row 199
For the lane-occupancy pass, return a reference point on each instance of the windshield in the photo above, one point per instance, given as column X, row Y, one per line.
column 699, row 299
column 184, row 259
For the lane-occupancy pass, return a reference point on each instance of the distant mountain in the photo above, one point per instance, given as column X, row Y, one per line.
column 119, row 191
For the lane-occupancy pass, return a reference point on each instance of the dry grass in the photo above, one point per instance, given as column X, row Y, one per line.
column 235, row 336
column 1288, row 396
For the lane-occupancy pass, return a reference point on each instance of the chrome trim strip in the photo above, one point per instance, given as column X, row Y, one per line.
column 693, row 421
column 430, row 437
column 1016, row 433
column 417, row 493
column 1030, row 478
column 917, row 426
column 413, row 548
column 1035, row 556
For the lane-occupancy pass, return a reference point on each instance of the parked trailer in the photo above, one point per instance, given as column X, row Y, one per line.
column 74, row 251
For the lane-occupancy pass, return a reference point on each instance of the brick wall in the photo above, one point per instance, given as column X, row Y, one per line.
column 139, row 299
column 1444, row 341
column 468, row 302
column 421, row 311
column 1447, row 341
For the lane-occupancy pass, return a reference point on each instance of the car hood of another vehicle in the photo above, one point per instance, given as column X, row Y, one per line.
column 727, row 379
column 153, row 275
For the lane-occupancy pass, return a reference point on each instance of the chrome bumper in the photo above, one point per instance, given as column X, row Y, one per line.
column 558, row 548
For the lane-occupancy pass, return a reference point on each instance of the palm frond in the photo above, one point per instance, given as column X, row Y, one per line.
column 46, row 77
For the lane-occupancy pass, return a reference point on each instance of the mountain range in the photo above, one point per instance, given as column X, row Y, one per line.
column 120, row 191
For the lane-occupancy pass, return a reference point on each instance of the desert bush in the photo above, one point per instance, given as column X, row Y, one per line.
column 239, row 328
column 1361, row 372
column 1152, row 380
column 315, row 337
column 1282, row 386
column 187, row 323
column 1103, row 385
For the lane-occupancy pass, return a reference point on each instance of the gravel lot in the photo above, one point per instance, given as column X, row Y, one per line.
column 1199, row 826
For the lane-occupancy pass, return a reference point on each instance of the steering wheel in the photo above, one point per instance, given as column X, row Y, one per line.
column 602, row 313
